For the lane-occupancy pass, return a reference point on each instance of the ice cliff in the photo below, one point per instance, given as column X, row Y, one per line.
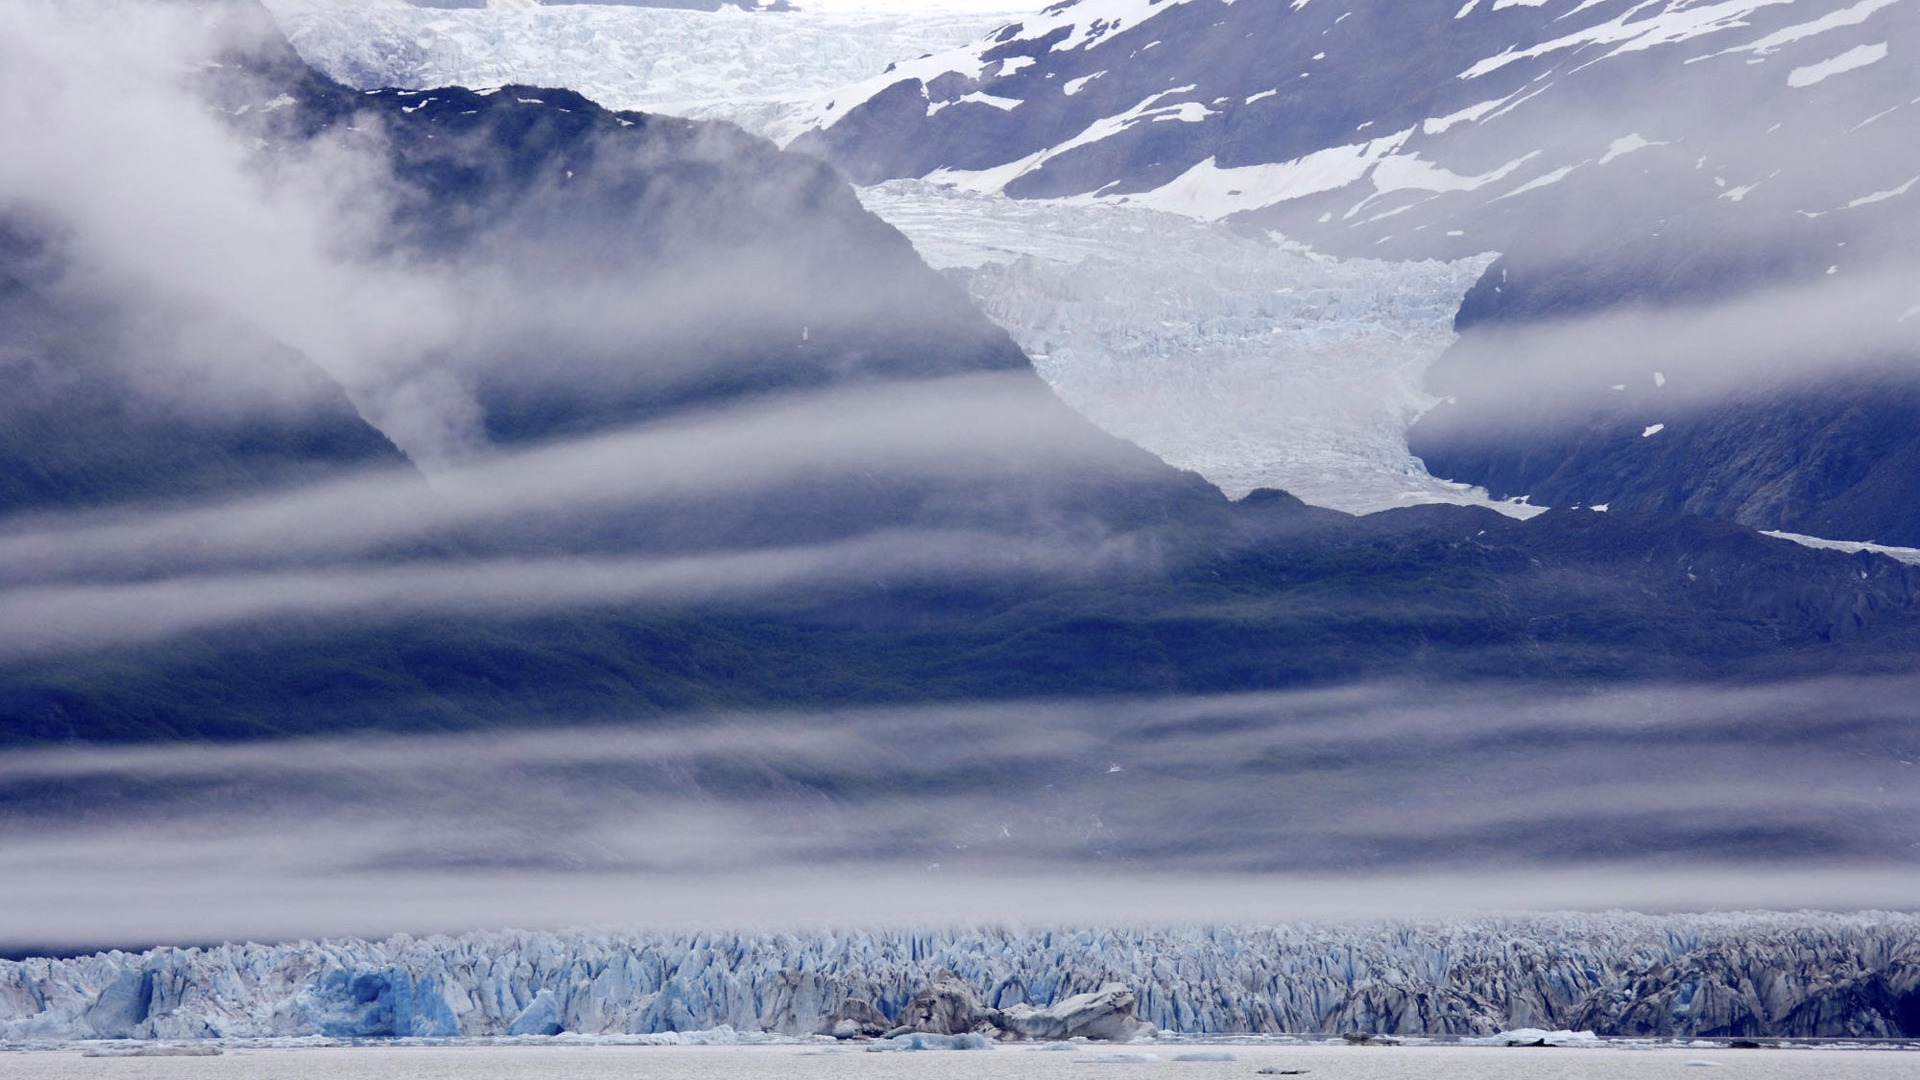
column 1801, row 974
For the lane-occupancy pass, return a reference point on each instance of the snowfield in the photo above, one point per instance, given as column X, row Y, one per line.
column 755, row 69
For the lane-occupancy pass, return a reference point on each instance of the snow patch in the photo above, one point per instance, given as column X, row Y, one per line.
column 1538, row 182
column 1853, row 59
column 1209, row 192
column 1833, row 20
column 1882, row 196
column 976, row 98
column 1468, row 115
column 1903, row 554
column 1635, row 29
column 1074, row 86
column 1627, row 144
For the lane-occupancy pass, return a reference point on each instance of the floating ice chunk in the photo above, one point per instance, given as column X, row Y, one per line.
column 1206, row 1055
column 1652, row 430
column 921, row 1040
column 1530, row 1036
column 1118, row 1059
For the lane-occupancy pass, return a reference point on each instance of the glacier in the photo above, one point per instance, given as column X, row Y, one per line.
column 1251, row 361
column 1804, row 974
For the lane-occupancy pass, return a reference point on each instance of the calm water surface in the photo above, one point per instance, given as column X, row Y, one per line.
column 1005, row 1063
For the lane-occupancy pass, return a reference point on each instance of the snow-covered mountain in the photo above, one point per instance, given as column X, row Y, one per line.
column 1707, row 300
column 1805, row 974
column 1360, row 127
column 1745, row 167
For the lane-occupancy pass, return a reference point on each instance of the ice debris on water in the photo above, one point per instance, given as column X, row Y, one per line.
column 921, row 1040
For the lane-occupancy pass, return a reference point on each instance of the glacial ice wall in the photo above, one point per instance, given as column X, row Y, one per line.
column 1801, row 974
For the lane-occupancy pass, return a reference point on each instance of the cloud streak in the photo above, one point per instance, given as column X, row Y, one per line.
column 108, row 138
column 1796, row 336
column 963, row 427
column 53, row 619
column 1371, row 799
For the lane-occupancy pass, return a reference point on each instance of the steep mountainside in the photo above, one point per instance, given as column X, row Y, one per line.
column 700, row 431
column 121, row 391
column 1705, row 211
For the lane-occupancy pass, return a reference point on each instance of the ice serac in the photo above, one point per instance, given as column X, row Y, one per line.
column 1734, row 975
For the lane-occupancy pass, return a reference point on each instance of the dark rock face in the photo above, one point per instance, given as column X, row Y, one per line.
column 1833, row 462
column 132, row 394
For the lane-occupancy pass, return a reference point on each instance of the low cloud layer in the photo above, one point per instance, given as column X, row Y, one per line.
column 1367, row 800
column 1863, row 324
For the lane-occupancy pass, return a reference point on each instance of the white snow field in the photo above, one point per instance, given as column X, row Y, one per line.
column 1805, row 973
column 756, row 69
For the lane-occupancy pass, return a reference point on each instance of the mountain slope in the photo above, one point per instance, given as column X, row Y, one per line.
column 1719, row 194
column 700, row 432
column 120, row 391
